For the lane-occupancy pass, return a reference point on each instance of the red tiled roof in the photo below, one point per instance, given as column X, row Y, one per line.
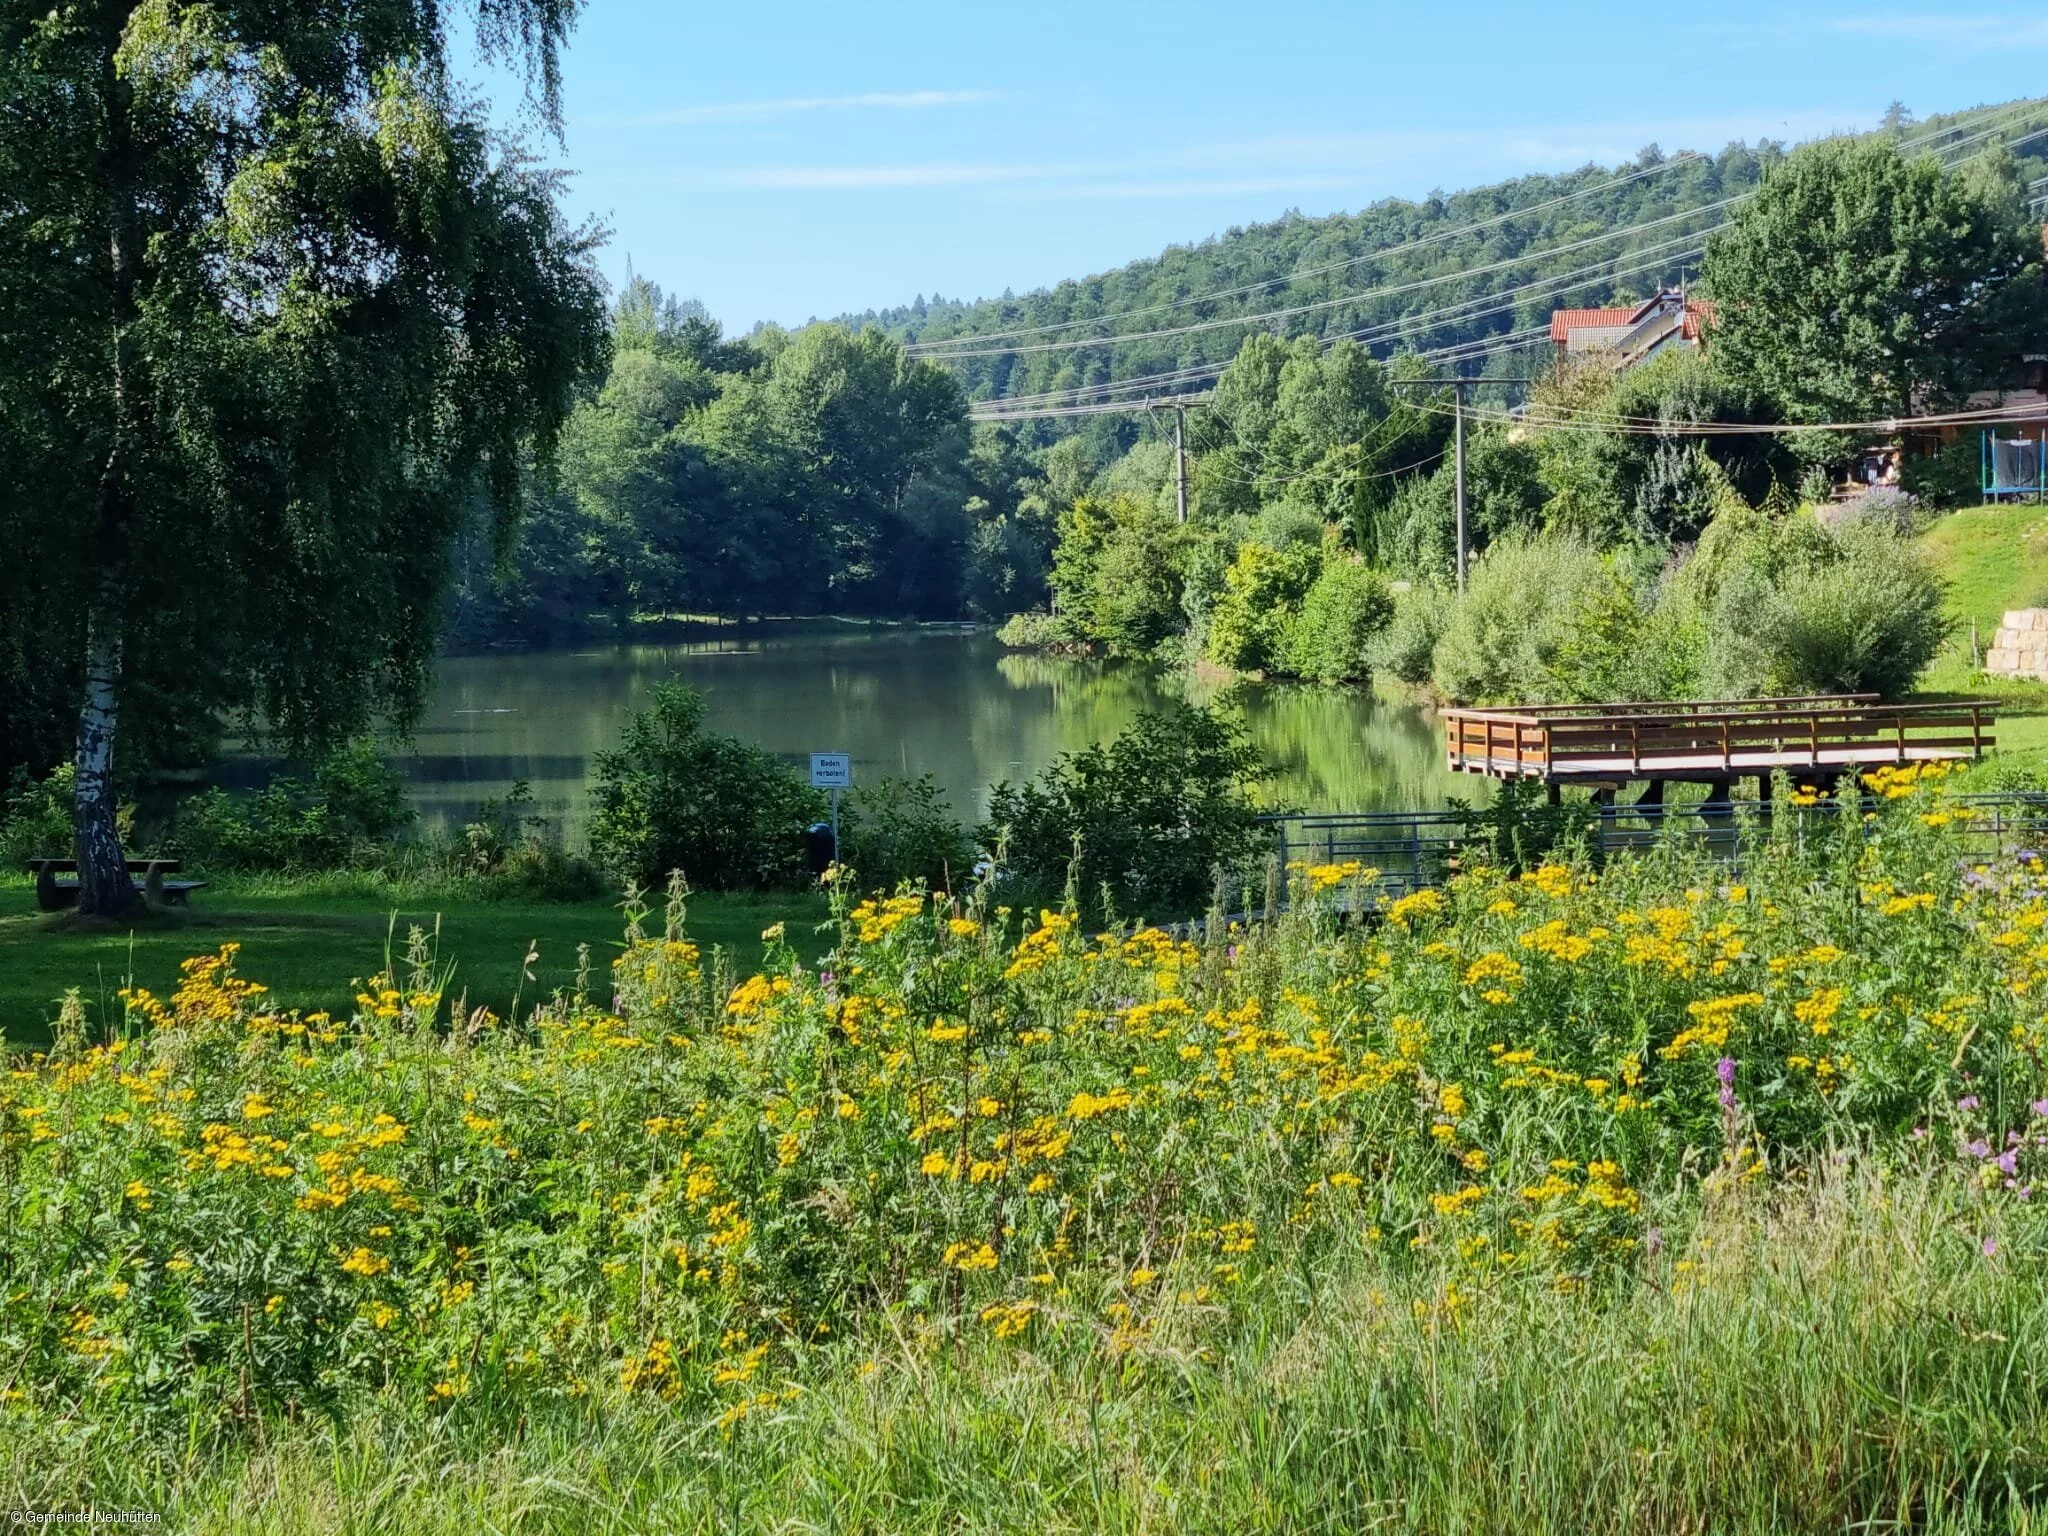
column 1564, row 321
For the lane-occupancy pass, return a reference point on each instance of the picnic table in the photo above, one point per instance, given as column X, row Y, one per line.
column 56, row 895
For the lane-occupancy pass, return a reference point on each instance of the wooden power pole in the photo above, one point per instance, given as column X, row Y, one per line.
column 1180, row 459
column 1458, row 415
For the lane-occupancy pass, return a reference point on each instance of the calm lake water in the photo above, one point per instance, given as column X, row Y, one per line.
column 904, row 702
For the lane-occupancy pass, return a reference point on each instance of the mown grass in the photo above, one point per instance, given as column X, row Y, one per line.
column 310, row 938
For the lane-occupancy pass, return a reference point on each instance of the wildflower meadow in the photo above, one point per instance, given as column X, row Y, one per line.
column 1667, row 1194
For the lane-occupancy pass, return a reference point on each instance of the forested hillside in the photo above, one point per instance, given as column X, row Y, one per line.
column 1466, row 271
column 841, row 468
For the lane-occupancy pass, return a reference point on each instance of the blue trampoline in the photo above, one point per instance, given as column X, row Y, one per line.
column 2015, row 467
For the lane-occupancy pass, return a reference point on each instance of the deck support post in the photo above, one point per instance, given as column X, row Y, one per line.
column 1553, row 792
column 1719, row 804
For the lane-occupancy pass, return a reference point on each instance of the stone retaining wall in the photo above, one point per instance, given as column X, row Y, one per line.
column 2020, row 648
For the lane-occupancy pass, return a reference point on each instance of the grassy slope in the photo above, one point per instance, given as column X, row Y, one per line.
column 1995, row 558
column 309, row 946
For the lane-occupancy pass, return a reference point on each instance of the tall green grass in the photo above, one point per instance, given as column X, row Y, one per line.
column 1839, row 1356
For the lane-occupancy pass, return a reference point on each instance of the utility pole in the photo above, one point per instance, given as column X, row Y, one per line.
column 1460, row 400
column 1180, row 459
column 1179, row 406
column 1458, row 412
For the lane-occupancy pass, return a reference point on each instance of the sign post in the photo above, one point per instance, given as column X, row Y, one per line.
column 832, row 771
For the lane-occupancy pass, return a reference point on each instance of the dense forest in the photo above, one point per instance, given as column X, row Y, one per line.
column 840, row 468
column 1458, row 271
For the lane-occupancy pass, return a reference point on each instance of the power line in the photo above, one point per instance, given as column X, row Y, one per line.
column 1072, row 343
column 1024, row 406
column 1465, row 310
column 932, row 348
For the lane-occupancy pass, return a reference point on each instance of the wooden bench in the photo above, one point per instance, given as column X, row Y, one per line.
column 54, row 895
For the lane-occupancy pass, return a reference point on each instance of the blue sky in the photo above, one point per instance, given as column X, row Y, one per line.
column 785, row 160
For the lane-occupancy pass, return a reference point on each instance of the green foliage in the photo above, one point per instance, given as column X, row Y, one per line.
column 1861, row 284
column 508, row 851
column 898, row 830
column 1612, row 486
column 1116, row 574
column 1406, row 648
column 1865, row 613
column 348, row 816
column 673, row 797
column 1520, row 829
column 1952, row 476
column 35, row 817
column 1142, row 824
column 1037, row 631
column 1262, row 594
column 1330, row 639
column 1505, row 497
column 1508, row 637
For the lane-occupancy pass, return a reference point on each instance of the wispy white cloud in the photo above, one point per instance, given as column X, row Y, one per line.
column 1976, row 31
column 1198, row 187
column 859, row 177
column 795, row 106
column 1252, row 164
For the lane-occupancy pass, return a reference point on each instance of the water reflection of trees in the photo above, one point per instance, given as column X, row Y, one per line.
column 1330, row 749
column 957, row 707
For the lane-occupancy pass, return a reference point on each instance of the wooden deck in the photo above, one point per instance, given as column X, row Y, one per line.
column 1710, row 742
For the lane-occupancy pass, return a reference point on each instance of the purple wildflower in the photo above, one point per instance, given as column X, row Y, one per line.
column 1967, row 1101
column 2041, row 1107
column 2008, row 1162
column 1979, row 1148
column 1990, row 1246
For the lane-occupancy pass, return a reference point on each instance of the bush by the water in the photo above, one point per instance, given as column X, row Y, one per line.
column 676, row 797
column 348, row 816
column 1141, row 825
column 1770, row 602
column 1750, row 1140
column 902, row 829
column 1036, row 631
column 1298, row 608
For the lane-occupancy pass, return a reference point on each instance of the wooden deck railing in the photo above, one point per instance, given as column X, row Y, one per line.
column 1680, row 740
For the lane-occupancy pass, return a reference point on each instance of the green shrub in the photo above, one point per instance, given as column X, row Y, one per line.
column 1627, row 639
column 1951, row 477
column 1262, row 591
column 1523, row 601
column 510, row 851
column 1143, row 823
column 1117, row 573
column 903, row 829
column 674, row 796
column 35, row 818
column 350, row 815
column 1330, row 638
column 1864, row 614
column 1406, row 648
column 1036, row 631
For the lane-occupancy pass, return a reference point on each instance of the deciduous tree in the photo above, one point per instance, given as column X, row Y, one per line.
column 277, row 317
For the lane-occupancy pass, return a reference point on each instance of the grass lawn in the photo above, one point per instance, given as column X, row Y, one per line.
column 308, row 948
column 1994, row 558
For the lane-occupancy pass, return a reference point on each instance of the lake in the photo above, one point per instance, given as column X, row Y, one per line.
column 903, row 701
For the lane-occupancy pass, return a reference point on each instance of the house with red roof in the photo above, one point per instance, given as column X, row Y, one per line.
column 1632, row 335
